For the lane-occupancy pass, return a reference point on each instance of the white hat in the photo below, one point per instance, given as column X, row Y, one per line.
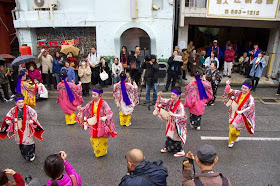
column 215, row 41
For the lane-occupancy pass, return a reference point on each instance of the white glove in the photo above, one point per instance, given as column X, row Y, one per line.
column 103, row 118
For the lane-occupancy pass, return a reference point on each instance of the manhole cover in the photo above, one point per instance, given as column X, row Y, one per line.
column 269, row 101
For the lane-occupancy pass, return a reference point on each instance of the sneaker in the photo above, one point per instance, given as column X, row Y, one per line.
column 145, row 102
column 12, row 96
column 165, row 90
column 128, row 124
column 231, row 145
column 11, row 99
column 237, row 140
column 179, row 154
column 154, row 102
column 163, row 150
column 224, row 75
column 212, row 104
column 229, row 76
column 191, row 126
column 197, row 128
column 33, row 158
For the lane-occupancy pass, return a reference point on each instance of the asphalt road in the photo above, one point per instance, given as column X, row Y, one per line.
column 249, row 163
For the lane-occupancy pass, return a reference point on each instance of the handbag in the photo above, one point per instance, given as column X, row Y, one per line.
column 92, row 120
column 103, row 75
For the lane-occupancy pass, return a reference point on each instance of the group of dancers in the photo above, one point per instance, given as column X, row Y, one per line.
column 22, row 123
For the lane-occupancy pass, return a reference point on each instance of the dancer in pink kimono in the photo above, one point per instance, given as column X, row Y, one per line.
column 21, row 122
column 243, row 114
column 98, row 117
column 197, row 94
column 176, row 131
column 69, row 97
column 126, row 98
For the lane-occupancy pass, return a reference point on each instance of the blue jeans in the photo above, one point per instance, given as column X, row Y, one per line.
column 116, row 79
column 57, row 77
column 148, row 89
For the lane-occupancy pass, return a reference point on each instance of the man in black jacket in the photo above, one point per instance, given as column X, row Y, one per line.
column 151, row 77
column 173, row 71
column 141, row 172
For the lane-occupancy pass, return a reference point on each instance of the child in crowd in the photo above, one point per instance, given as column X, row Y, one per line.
column 42, row 92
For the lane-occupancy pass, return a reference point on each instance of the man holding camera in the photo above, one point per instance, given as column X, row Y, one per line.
column 206, row 159
column 151, row 77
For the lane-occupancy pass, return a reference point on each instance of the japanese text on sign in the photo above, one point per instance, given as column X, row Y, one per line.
column 243, row 9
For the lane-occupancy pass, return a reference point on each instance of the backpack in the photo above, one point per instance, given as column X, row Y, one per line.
column 197, row 181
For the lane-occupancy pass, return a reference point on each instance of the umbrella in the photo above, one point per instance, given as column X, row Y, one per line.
column 69, row 48
column 7, row 56
column 2, row 59
column 22, row 60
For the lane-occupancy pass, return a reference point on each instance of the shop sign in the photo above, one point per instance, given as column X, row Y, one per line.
column 243, row 9
column 58, row 43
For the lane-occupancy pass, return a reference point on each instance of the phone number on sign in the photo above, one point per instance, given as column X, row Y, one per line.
column 239, row 12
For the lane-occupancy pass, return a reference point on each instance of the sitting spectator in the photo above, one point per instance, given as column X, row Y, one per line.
column 236, row 64
column 4, row 81
column 54, row 167
column 84, row 73
column 206, row 159
column 245, row 64
column 70, row 71
column 116, row 70
column 34, row 73
column 141, row 172
column 4, row 180
column 209, row 60
column 105, row 67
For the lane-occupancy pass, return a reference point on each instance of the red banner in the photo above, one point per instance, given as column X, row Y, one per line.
column 59, row 43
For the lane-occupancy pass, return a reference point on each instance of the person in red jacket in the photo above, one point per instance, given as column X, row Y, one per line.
column 229, row 57
column 4, row 180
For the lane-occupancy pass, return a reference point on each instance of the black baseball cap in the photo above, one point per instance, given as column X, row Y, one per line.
column 206, row 153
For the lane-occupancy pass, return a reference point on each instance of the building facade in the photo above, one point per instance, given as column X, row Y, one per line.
column 107, row 24
column 240, row 21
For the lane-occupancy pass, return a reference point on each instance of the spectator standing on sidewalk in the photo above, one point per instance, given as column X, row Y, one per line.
column 46, row 62
column 229, row 57
column 173, row 71
column 94, row 59
column 4, row 84
column 258, row 65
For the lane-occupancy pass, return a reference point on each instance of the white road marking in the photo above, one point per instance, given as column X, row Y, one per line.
column 215, row 138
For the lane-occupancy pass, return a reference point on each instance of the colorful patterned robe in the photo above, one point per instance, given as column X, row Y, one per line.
column 192, row 100
column 132, row 92
column 25, row 134
column 62, row 98
column 29, row 92
column 247, row 119
column 102, row 128
column 176, row 126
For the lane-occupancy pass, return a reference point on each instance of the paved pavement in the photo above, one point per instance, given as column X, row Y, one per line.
column 250, row 163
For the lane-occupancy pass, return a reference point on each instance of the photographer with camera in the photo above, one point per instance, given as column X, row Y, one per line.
column 151, row 77
column 206, row 159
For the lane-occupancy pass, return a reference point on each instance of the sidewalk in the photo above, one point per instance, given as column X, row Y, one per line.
column 236, row 81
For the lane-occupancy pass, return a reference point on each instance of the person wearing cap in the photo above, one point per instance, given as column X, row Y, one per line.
column 256, row 71
column 22, row 123
column 98, row 117
column 69, row 96
column 151, row 69
column 229, row 58
column 206, row 159
column 243, row 114
column 254, row 52
column 197, row 94
column 126, row 98
column 218, row 52
column 176, row 132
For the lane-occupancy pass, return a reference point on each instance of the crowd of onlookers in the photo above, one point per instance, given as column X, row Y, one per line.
column 140, row 172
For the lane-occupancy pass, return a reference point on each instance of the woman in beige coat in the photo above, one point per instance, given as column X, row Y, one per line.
column 84, row 73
